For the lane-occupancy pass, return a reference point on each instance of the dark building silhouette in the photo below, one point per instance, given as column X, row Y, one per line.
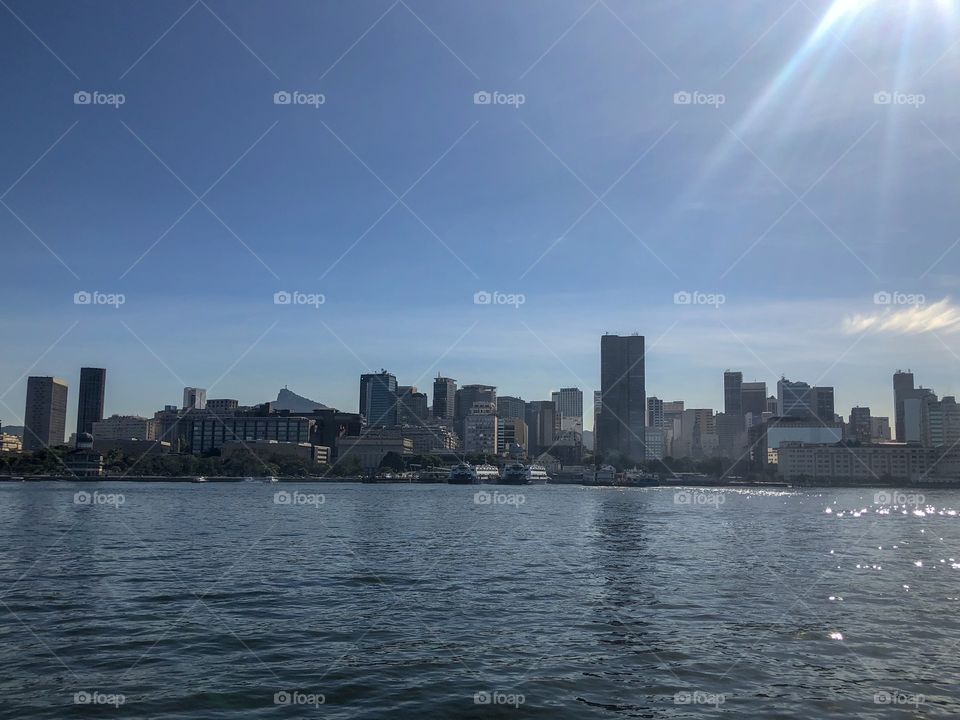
column 45, row 416
column 93, row 385
column 623, row 396
column 444, row 398
column 732, row 402
column 378, row 398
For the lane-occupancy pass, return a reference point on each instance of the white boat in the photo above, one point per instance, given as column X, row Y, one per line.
column 271, row 479
column 537, row 474
column 463, row 474
column 520, row 474
column 199, row 479
column 487, row 473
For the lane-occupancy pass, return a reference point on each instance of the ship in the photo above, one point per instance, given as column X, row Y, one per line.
column 537, row 474
column 463, row 474
column 520, row 474
column 487, row 473
column 638, row 478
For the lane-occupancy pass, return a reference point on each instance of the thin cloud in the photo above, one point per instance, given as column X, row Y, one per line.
column 912, row 320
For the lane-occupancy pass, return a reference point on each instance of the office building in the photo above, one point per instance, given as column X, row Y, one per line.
column 623, row 385
column 732, row 387
column 655, row 412
column 209, row 432
column 859, row 428
column 569, row 405
column 656, row 440
column 222, row 406
column 93, row 384
column 466, row 397
column 541, row 419
column 510, row 407
column 480, row 429
column 444, row 399
column 268, row 450
column 412, row 406
column 194, row 398
column 880, row 430
column 861, row 464
column 430, row 438
column 378, row 399
column 597, row 405
column 511, row 435
column 372, row 447
column 698, row 436
column 45, row 417
column 125, row 427
column 753, row 398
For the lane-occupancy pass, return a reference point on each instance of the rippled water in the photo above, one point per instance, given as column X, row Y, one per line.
column 204, row 601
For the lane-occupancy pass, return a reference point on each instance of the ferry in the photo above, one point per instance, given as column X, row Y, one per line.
column 606, row 475
column 638, row 478
column 515, row 474
column 537, row 474
column 487, row 473
column 463, row 474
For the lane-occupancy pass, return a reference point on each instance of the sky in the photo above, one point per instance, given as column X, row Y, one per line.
column 753, row 185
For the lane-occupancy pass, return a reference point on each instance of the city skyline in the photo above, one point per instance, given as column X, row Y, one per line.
column 100, row 200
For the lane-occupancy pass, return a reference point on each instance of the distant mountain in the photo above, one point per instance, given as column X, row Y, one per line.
column 13, row 430
column 287, row 400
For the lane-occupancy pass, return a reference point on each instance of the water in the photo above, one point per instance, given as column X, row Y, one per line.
column 205, row 601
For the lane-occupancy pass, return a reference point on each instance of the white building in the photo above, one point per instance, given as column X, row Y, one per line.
column 125, row 427
column 480, row 429
column 569, row 404
column 194, row 398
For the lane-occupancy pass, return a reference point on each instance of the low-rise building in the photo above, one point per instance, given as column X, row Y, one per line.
column 862, row 464
column 370, row 449
column 266, row 449
column 10, row 443
column 125, row 427
column 210, row 432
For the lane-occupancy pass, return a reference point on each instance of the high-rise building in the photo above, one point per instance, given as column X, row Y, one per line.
column 860, row 428
column 378, row 399
column 773, row 407
column 654, row 412
column 93, row 383
column 45, row 417
column 412, row 406
column 597, row 404
column 732, row 386
column 623, row 385
column 541, row 419
column 465, row 399
column 902, row 384
column 511, row 434
column 880, row 429
column 481, row 429
column 444, row 398
column 793, row 399
column 569, row 404
column 821, row 400
column 753, row 398
column 194, row 398
column 510, row 407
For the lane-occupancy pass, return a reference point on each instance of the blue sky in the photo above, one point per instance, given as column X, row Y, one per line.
column 786, row 186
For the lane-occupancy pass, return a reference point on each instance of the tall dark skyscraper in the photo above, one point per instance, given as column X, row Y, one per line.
column 624, row 396
column 45, row 417
column 378, row 398
column 470, row 394
column 753, row 399
column 444, row 398
column 732, row 402
column 93, row 385
column 510, row 407
column 902, row 386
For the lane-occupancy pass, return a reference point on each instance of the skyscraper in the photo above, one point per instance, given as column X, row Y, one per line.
column 902, row 385
column 654, row 412
column 623, row 386
column 510, row 407
column 93, row 383
column 412, row 408
column 732, row 402
column 753, row 399
column 194, row 398
column 45, row 417
column 569, row 404
column 541, row 418
column 378, row 398
column 467, row 396
column 444, row 398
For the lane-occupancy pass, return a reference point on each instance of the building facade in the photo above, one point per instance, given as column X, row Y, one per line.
column 378, row 399
column 444, row 399
column 624, row 398
column 194, row 398
column 45, row 416
column 93, row 385
column 125, row 427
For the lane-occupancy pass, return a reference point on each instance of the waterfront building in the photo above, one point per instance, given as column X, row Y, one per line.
column 764, row 440
column 624, row 400
column 210, row 432
column 45, row 416
column 373, row 446
column 132, row 448
column 93, row 383
column 378, row 399
column 268, row 449
column 430, row 438
column 942, row 423
column 862, row 464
